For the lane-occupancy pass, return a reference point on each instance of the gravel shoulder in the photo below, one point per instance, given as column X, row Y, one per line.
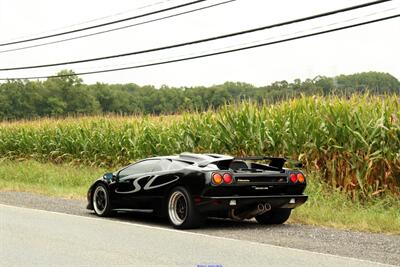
column 375, row 247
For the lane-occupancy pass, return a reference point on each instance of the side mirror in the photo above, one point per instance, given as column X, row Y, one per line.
column 109, row 176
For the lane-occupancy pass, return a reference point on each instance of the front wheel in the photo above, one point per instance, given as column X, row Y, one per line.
column 275, row 216
column 182, row 212
column 101, row 201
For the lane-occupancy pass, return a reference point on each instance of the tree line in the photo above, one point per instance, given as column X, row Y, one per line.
column 64, row 96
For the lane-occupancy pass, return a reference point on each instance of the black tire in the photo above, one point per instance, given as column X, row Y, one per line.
column 275, row 216
column 101, row 201
column 181, row 210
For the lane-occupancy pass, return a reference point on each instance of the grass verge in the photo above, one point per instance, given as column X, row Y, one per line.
column 61, row 180
column 332, row 208
column 325, row 207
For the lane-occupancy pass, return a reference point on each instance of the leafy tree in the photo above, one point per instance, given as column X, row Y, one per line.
column 68, row 95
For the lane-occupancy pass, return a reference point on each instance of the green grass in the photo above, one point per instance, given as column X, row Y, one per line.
column 62, row 180
column 332, row 208
column 325, row 207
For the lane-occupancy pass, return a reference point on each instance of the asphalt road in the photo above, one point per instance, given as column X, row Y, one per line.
column 31, row 237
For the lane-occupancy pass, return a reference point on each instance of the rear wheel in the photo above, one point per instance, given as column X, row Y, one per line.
column 101, row 201
column 182, row 212
column 275, row 216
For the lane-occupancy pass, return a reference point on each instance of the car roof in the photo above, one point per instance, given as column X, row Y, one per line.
column 196, row 157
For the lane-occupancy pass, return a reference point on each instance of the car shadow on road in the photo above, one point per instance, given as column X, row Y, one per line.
column 210, row 224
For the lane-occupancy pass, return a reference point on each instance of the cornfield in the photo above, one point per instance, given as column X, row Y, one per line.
column 354, row 142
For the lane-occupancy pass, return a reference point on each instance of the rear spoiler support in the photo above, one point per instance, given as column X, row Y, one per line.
column 273, row 161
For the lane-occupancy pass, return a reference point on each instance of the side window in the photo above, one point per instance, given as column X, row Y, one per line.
column 162, row 165
column 140, row 167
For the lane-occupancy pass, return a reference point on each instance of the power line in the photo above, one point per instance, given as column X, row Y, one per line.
column 201, row 40
column 104, row 24
column 246, row 43
column 119, row 28
column 212, row 54
column 89, row 21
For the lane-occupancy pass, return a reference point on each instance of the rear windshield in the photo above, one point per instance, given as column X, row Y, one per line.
column 176, row 165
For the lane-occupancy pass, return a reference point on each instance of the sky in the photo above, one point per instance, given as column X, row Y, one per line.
column 374, row 47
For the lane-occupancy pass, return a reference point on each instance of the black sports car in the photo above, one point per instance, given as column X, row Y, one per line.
column 189, row 187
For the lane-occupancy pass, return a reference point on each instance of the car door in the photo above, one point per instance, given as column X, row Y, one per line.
column 162, row 178
column 131, row 182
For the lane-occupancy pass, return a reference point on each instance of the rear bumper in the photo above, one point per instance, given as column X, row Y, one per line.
column 225, row 203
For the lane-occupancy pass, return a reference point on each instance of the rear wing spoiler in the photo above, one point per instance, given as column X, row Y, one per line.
column 273, row 161
column 224, row 160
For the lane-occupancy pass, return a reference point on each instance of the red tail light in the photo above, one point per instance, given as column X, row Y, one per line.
column 293, row 178
column 228, row 178
column 217, row 178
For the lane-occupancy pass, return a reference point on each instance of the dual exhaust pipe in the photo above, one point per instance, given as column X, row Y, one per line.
column 260, row 209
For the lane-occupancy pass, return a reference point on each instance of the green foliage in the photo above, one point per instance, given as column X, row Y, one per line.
column 66, row 96
column 353, row 142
